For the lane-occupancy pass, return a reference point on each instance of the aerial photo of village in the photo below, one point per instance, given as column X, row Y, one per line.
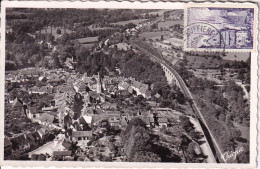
column 115, row 85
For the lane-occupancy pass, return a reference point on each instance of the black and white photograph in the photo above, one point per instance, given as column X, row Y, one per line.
column 116, row 85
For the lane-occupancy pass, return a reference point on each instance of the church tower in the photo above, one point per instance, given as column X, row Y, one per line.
column 99, row 85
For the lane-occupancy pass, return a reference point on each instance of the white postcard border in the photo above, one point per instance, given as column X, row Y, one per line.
column 124, row 4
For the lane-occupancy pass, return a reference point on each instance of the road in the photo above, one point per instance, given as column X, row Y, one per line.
column 208, row 150
column 204, row 146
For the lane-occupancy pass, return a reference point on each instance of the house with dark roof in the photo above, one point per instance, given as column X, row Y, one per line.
column 79, row 87
column 33, row 112
column 107, row 106
column 88, row 110
column 17, row 103
column 148, row 119
column 46, row 119
column 163, row 122
column 43, row 90
column 81, row 135
column 66, row 145
column 67, row 89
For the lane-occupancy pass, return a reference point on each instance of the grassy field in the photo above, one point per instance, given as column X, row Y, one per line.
column 167, row 24
column 196, row 62
column 237, row 56
column 98, row 28
column 231, row 56
column 123, row 23
column 88, row 40
column 159, row 12
column 244, row 130
column 177, row 12
column 154, row 35
column 88, row 45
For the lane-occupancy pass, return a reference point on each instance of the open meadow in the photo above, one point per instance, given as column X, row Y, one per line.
column 168, row 24
column 136, row 22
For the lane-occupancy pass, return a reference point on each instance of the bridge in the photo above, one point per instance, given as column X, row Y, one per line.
column 175, row 78
column 171, row 78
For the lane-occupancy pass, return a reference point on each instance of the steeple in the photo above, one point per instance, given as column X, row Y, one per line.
column 99, row 86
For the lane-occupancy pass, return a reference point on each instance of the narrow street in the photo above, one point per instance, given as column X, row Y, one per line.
column 49, row 147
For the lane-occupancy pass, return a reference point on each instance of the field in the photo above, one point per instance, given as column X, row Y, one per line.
column 174, row 41
column 159, row 12
column 237, row 56
column 244, row 130
column 88, row 40
column 88, row 45
column 167, row 24
column 176, row 12
column 230, row 56
column 123, row 46
column 54, row 31
column 98, row 28
column 154, row 35
column 136, row 22
column 197, row 62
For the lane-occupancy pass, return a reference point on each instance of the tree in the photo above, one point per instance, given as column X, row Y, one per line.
column 136, row 139
column 38, row 157
column 56, row 62
column 186, row 124
column 10, row 66
column 50, row 38
column 143, row 156
column 58, row 31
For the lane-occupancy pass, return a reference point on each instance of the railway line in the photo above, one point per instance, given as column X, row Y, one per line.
column 212, row 143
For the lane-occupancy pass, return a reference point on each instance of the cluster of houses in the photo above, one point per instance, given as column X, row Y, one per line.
column 27, row 140
column 77, row 125
column 23, row 75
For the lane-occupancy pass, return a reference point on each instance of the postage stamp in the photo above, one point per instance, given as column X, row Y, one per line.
column 220, row 28
column 128, row 84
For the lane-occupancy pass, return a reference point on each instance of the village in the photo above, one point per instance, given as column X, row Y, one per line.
column 59, row 124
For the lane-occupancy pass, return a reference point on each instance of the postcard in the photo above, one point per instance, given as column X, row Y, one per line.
column 128, row 84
